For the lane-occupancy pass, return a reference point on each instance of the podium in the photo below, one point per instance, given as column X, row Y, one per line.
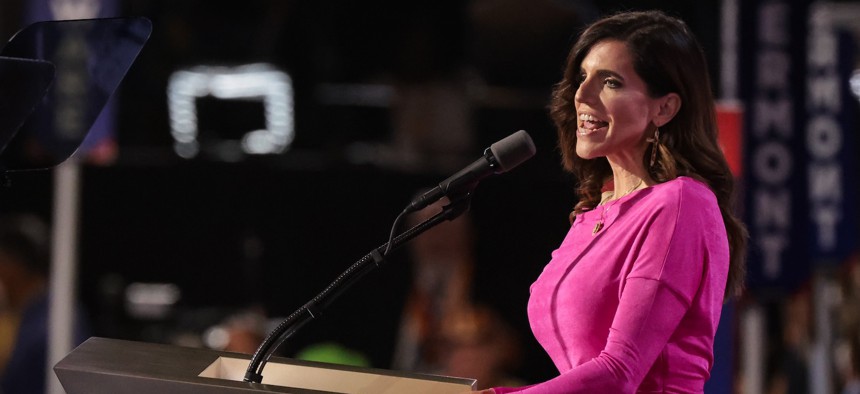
column 102, row 365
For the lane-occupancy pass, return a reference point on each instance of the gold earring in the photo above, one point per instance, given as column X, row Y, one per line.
column 656, row 141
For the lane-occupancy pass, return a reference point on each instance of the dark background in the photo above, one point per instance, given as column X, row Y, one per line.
column 311, row 212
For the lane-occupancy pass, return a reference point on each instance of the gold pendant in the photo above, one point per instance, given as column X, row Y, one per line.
column 597, row 227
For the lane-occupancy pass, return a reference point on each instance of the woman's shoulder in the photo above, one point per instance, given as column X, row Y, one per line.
column 683, row 201
column 682, row 192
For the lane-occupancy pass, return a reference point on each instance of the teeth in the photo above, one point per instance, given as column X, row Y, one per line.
column 589, row 124
column 588, row 118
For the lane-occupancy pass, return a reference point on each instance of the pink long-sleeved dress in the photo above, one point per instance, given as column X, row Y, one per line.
column 634, row 307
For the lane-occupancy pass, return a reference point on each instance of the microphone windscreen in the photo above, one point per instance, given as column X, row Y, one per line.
column 512, row 150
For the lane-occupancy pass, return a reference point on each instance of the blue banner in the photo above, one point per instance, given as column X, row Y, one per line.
column 772, row 75
column 830, row 145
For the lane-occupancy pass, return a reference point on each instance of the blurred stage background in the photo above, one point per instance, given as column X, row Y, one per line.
column 179, row 239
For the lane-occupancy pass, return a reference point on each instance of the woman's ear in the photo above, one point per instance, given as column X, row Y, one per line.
column 668, row 108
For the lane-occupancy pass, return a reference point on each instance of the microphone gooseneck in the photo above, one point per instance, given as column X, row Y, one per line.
column 500, row 157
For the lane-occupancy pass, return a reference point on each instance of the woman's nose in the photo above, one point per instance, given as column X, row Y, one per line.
column 582, row 93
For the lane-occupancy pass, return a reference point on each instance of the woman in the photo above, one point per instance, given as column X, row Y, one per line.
column 631, row 300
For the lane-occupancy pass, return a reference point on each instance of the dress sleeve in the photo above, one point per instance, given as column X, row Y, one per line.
column 656, row 294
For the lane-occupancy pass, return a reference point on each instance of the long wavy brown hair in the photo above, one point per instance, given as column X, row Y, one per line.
column 669, row 59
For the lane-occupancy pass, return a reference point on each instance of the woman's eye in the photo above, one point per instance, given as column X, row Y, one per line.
column 612, row 83
column 580, row 79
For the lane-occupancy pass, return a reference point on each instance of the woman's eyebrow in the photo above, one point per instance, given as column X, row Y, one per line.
column 603, row 73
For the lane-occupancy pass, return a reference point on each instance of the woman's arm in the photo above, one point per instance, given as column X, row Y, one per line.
column 647, row 317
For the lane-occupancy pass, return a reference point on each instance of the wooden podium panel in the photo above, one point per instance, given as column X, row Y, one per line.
column 102, row 365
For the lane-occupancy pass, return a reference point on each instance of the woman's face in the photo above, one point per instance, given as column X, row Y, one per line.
column 613, row 107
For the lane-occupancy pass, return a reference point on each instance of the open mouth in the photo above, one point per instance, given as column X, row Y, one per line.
column 589, row 124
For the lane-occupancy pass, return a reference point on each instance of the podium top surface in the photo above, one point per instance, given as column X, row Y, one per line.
column 102, row 365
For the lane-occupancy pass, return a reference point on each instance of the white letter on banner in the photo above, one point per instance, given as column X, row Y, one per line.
column 824, row 92
column 772, row 28
column 823, row 137
column 772, row 246
column 823, row 48
column 773, row 67
column 772, row 163
column 773, row 115
column 825, row 182
column 772, row 209
column 826, row 217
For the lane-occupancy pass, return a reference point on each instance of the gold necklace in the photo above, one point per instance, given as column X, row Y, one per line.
column 599, row 225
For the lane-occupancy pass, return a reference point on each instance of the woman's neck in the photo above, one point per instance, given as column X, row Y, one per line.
column 629, row 178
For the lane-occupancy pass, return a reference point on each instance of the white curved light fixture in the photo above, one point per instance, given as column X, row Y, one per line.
column 259, row 81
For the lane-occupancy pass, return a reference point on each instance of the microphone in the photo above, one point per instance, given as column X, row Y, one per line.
column 500, row 157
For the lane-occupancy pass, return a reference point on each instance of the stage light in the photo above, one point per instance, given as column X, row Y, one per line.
column 261, row 82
